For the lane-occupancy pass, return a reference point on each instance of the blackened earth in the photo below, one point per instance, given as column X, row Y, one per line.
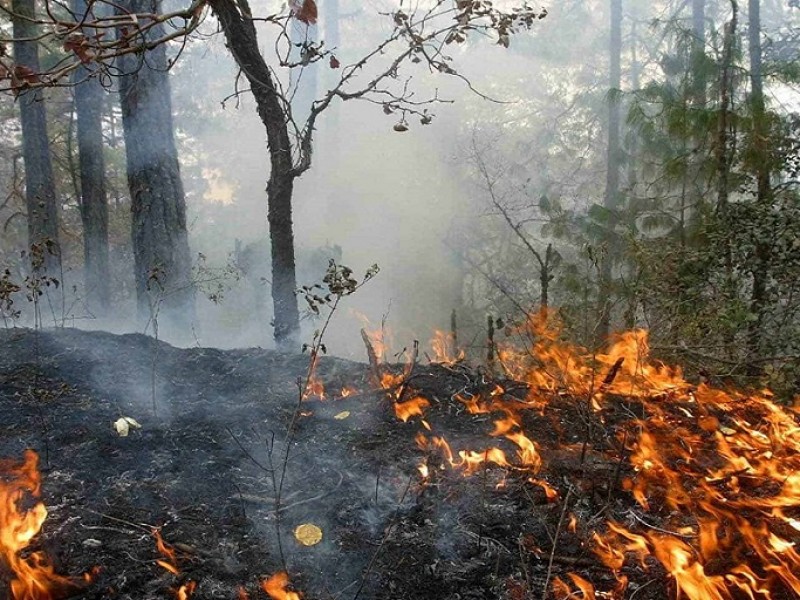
column 211, row 451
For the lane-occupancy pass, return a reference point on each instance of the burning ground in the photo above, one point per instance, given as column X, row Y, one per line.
column 553, row 475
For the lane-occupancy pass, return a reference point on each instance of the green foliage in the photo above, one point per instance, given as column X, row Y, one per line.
column 712, row 274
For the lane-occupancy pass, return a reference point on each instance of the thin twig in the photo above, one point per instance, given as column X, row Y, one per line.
column 142, row 526
column 555, row 544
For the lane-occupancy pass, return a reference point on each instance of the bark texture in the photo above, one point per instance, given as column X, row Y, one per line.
column 241, row 39
column 160, row 242
column 89, row 103
column 761, row 164
column 722, row 150
column 40, row 189
column 698, row 51
column 613, row 157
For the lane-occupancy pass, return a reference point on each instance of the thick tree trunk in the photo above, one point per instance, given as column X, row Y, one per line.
column 613, row 156
column 40, row 189
column 160, row 243
column 242, row 41
column 89, row 102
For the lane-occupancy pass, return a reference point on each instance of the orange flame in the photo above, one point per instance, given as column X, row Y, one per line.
column 168, row 552
column 33, row 576
column 380, row 337
column 443, row 347
column 347, row 391
column 186, row 590
column 276, row 587
column 724, row 465
column 563, row 591
column 415, row 407
column 170, row 563
column 313, row 388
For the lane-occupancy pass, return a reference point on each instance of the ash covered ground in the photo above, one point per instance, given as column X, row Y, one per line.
column 213, row 429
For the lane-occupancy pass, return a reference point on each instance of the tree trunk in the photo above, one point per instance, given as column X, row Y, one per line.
column 40, row 188
column 760, row 129
column 722, row 155
column 160, row 243
column 613, row 156
column 693, row 185
column 545, row 278
column 241, row 39
column 89, row 102
column 698, row 52
column 760, row 133
column 725, row 89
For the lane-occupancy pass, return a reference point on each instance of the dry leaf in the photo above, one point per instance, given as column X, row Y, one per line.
column 123, row 425
column 342, row 415
column 304, row 10
column 308, row 534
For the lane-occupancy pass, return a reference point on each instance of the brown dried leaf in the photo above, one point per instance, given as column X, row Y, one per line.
column 304, row 10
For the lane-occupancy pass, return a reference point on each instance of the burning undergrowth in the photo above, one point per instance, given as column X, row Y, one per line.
column 555, row 474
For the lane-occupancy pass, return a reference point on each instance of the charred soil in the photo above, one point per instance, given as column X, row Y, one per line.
column 204, row 467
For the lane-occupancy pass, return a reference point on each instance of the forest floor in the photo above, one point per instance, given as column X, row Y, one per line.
column 212, row 437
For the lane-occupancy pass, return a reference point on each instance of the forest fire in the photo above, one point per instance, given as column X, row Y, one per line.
column 164, row 259
column 22, row 515
column 719, row 471
column 704, row 486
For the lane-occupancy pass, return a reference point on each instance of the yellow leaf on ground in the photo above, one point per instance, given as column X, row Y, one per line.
column 308, row 534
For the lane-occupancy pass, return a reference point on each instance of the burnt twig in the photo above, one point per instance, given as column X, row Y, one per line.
column 552, row 558
column 374, row 367
column 612, row 374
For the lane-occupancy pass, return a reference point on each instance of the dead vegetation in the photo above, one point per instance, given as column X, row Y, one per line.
column 566, row 476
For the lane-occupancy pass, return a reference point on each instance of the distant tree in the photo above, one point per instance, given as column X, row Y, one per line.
column 725, row 89
column 40, row 188
column 761, row 166
column 89, row 106
column 611, row 198
column 418, row 35
column 699, row 51
column 158, row 205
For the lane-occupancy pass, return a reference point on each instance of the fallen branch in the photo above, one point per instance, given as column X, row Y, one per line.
column 612, row 374
column 374, row 367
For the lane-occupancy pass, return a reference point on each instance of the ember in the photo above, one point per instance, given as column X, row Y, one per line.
column 170, row 563
column 277, row 587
